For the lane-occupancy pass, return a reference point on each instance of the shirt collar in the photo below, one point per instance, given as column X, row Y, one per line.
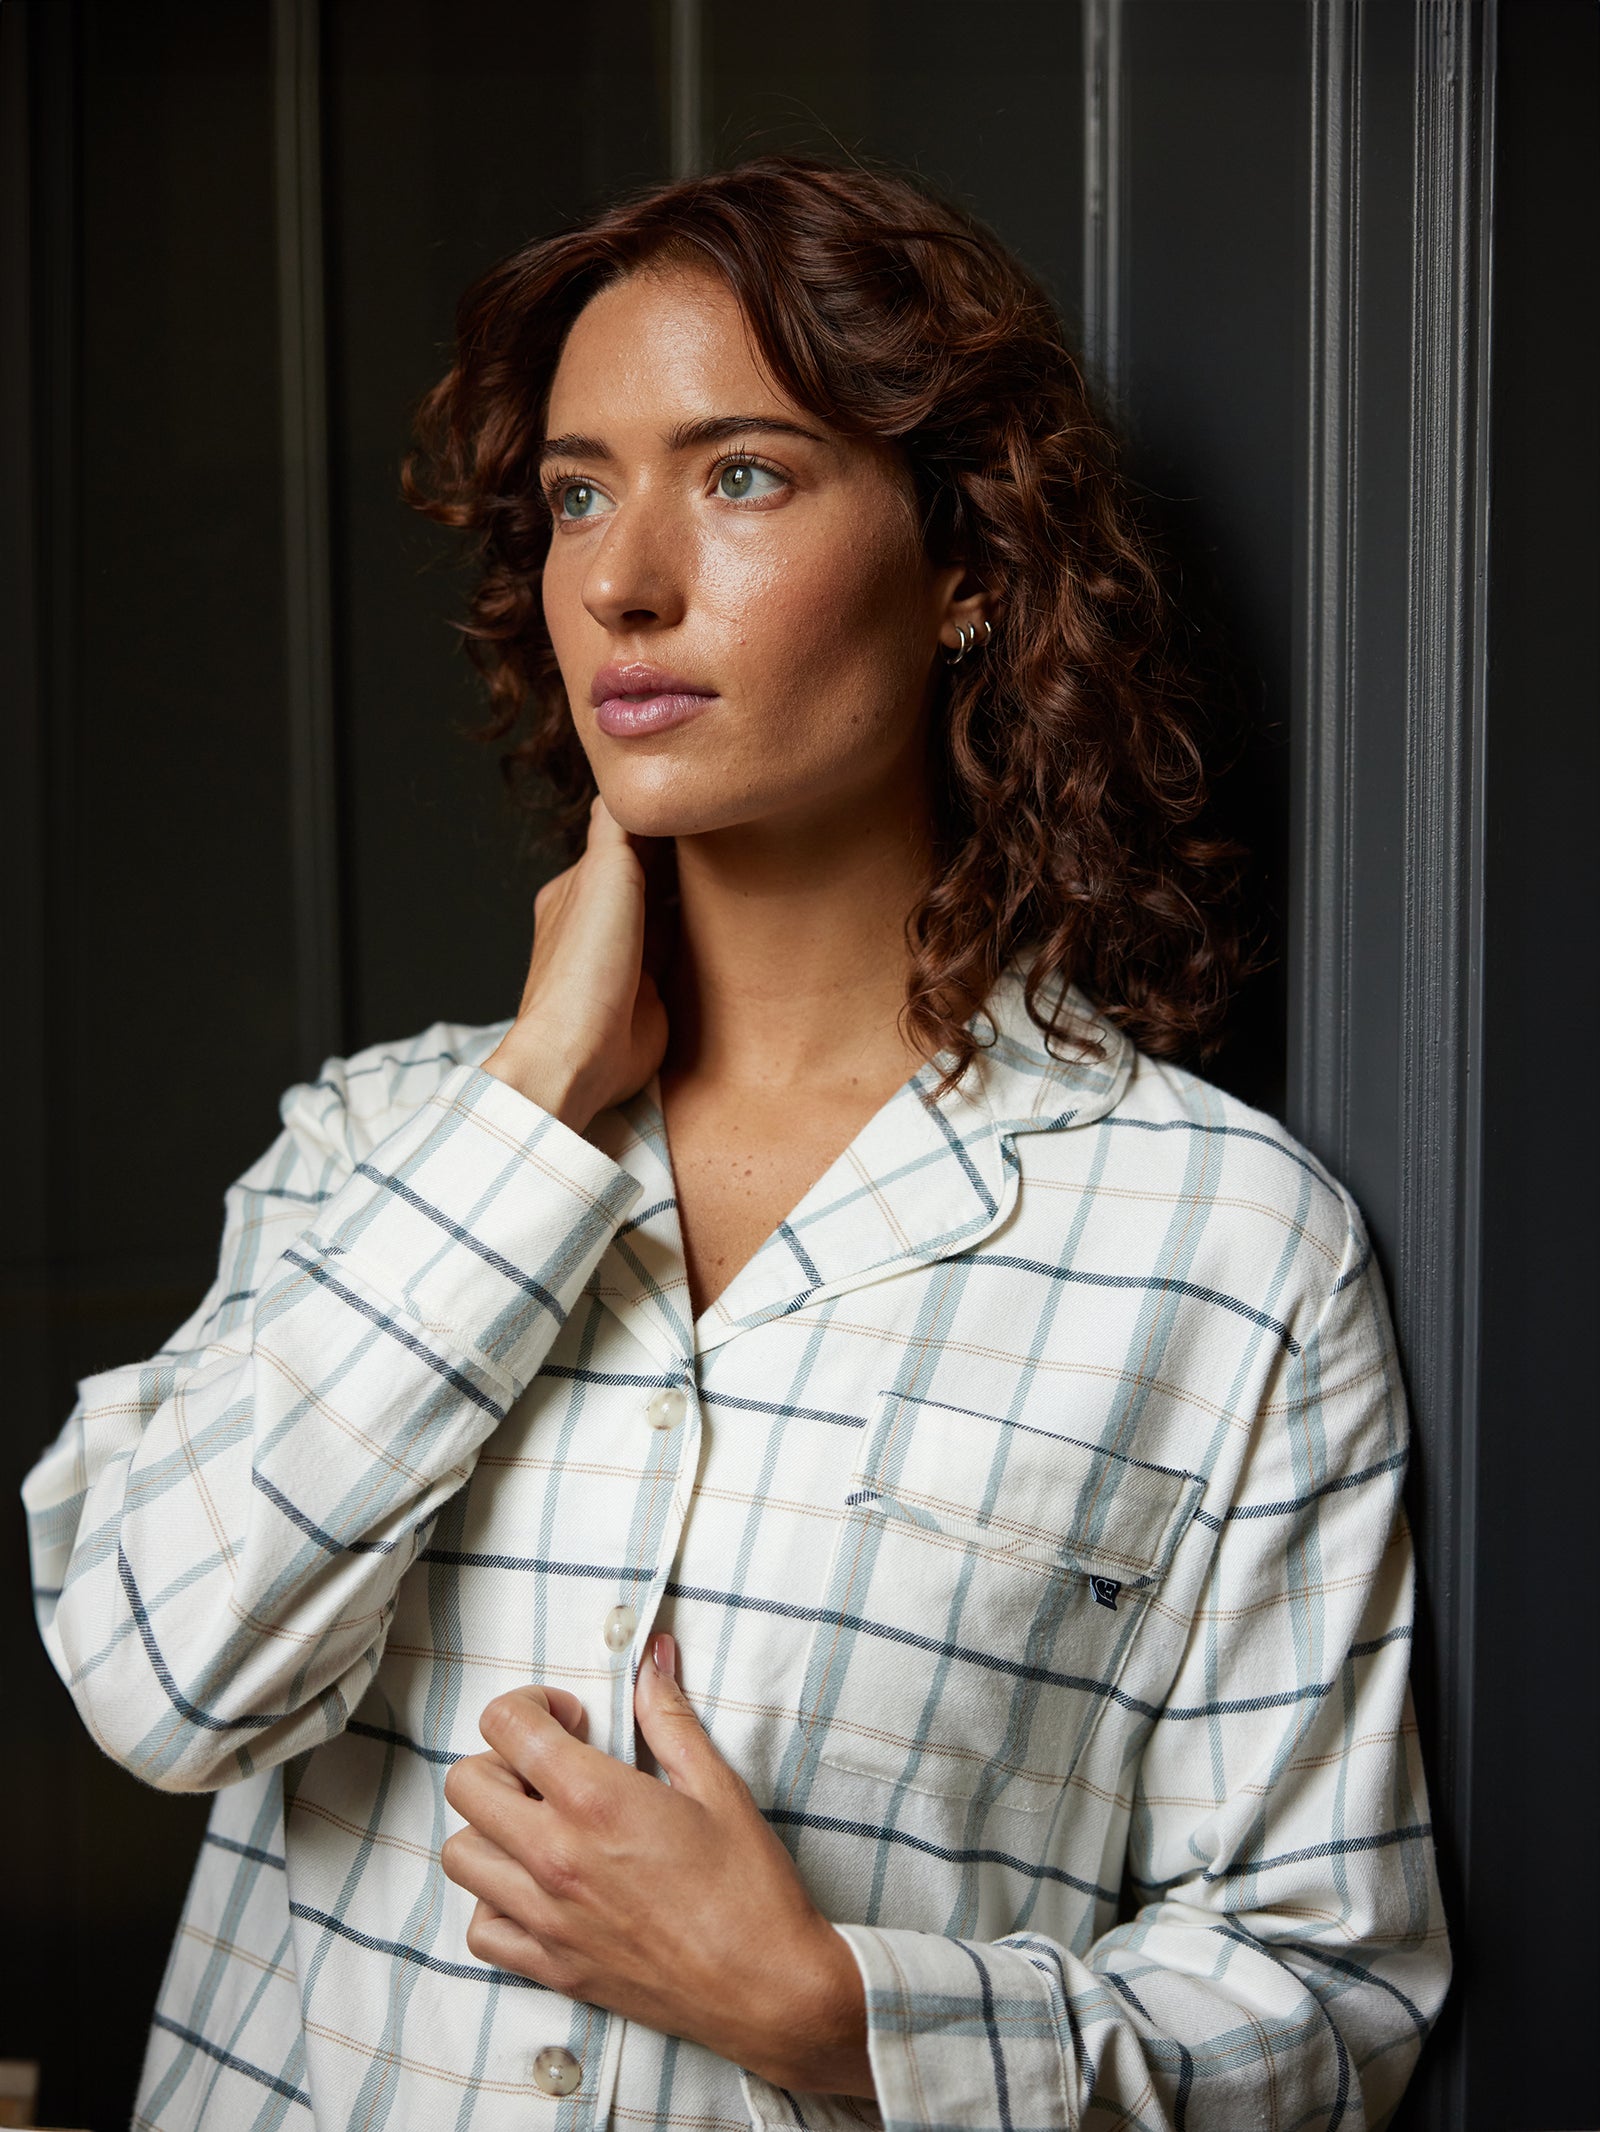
column 926, row 1176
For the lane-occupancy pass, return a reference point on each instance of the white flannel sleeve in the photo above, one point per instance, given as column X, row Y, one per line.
column 218, row 1534
column 1288, row 1954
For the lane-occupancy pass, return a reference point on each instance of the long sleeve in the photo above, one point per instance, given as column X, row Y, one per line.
column 1288, row 1952
column 219, row 1532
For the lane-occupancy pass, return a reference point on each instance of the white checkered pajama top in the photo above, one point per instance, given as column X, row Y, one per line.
column 1029, row 1520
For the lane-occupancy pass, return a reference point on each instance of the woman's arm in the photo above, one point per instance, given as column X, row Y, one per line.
column 219, row 1532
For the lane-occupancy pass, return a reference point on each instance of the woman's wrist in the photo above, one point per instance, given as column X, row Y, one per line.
column 544, row 1077
column 822, row 2023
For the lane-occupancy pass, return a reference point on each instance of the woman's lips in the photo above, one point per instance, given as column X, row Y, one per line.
column 633, row 700
column 624, row 716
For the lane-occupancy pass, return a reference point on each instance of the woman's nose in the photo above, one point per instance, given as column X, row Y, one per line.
column 635, row 577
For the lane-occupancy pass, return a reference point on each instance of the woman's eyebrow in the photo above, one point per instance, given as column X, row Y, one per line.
column 572, row 446
column 713, row 429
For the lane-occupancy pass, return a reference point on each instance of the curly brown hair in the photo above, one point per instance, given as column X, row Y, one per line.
column 1071, row 791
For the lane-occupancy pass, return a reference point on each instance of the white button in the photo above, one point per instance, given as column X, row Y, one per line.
column 556, row 2070
column 618, row 1632
column 665, row 1409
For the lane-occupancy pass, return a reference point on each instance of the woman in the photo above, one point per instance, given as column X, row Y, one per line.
column 820, row 1353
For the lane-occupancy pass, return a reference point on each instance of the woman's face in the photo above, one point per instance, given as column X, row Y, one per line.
column 738, row 597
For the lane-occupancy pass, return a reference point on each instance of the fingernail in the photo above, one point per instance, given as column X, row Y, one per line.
column 665, row 1652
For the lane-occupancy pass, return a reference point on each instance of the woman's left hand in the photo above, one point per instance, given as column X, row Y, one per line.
column 671, row 1904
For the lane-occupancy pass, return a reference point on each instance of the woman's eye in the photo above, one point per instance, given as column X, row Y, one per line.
column 742, row 478
column 579, row 499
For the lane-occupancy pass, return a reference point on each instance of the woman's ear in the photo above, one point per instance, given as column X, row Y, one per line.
column 969, row 610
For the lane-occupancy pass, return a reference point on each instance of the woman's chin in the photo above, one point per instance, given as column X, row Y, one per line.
column 654, row 817
column 646, row 809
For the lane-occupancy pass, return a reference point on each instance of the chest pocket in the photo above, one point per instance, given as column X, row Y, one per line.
column 986, row 1585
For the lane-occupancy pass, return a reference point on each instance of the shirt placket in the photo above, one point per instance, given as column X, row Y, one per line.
column 664, row 1407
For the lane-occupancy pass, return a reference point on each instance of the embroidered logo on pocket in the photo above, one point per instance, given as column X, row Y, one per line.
column 1105, row 1591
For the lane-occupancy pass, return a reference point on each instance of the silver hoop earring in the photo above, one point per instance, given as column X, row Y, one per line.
column 967, row 633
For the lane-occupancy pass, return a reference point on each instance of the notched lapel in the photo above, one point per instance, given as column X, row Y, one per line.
column 928, row 1174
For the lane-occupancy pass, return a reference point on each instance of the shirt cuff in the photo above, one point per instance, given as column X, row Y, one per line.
column 962, row 2032
column 776, row 2110
column 484, row 1216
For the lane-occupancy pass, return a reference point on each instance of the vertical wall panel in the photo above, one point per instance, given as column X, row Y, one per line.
column 1320, row 940
column 1105, row 188
column 1530, row 1960
column 1214, row 129
column 451, row 139
column 1386, row 1030
column 1438, row 1249
column 42, row 1748
column 159, row 971
column 310, row 711
column 174, row 914
column 686, row 87
column 986, row 106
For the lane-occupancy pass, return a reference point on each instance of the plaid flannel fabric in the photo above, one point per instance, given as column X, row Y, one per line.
column 1031, row 1530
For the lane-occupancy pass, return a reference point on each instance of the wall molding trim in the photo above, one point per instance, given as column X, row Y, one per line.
column 1442, row 1027
column 686, row 88
column 307, row 539
column 1386, row 1036
column 1319, row 1036
column 1104, row 196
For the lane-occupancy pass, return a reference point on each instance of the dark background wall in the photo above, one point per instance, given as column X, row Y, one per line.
column 1328, row 259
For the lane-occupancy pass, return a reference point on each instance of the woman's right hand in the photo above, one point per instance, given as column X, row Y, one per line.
column 591, row 1028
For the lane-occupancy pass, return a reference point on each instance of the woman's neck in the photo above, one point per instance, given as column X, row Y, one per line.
column 790, row 967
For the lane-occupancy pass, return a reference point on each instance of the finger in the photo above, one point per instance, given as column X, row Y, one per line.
column 604, row 827
column 530, row 1875
column 485, row 1790
column 494, row 1801
column 504, row 1886
column 674, row 1735
column 466, row 1776
column 607, row 839
column 524, row 1731
column 478, row 1864
column 498, row 1939
column 567, row 1709
column 554, row 890
column 561, row 1703
column 647, row 1009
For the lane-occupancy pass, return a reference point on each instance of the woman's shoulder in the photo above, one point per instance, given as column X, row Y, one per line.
column 1176, row 1106
column 356, row 1101
column 1185, row 1167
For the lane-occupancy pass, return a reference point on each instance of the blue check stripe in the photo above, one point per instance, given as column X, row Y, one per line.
column 877, row 1832
column 252, row 1851
column 390, row 1326
column 310, row 1527
column 397, row 1951
column 464, row 1236
column 195, row 1713
column 995, row 1261
column 257, row 2073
